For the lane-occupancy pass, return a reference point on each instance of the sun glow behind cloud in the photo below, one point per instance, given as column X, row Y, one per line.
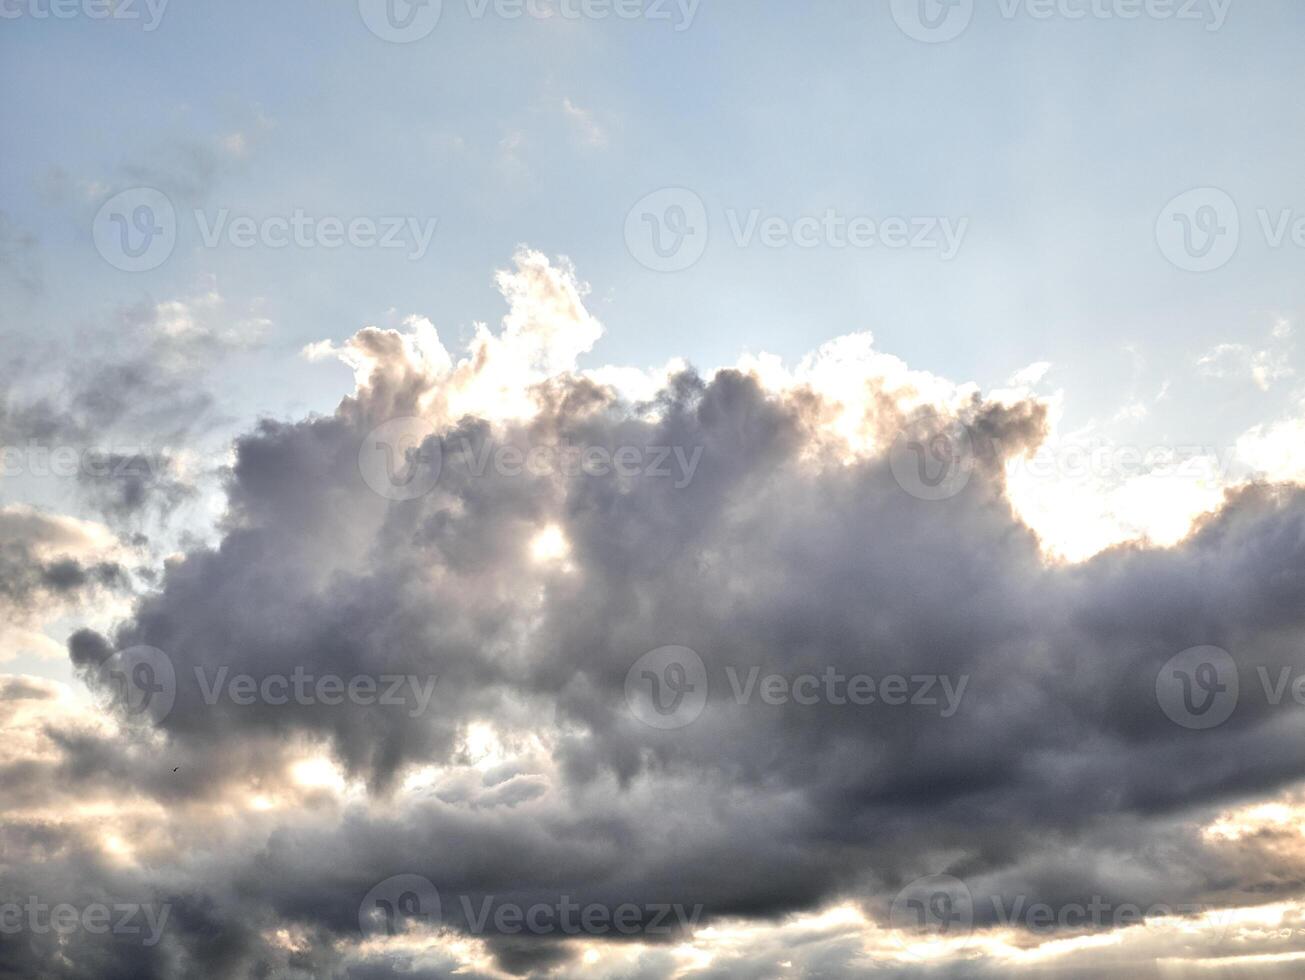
column 850, row 400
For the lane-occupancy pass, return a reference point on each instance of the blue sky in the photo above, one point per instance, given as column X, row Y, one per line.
column 1060, row 140
column 1078, row 496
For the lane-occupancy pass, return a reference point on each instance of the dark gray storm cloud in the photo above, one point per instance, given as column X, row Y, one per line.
column 1056, row 777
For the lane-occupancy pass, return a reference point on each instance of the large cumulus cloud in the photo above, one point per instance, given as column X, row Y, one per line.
column 791, row 548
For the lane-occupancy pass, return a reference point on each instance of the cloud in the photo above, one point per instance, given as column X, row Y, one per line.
column 1276, row 450
column 585, row 126
column 119, row 414
column 50, row 566
column 794, row 548
column 1263, row 367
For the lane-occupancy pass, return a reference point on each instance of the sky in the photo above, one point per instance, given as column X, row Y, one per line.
column 816, row 485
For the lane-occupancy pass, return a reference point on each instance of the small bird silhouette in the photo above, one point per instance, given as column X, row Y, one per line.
column 175, row 769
